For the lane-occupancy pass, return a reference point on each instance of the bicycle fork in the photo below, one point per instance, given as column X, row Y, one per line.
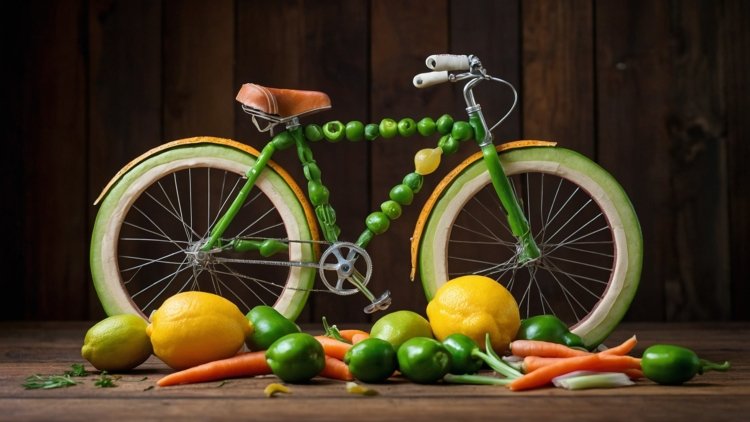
column 528, row 250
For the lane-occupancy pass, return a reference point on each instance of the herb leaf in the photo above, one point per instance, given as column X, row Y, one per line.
column 105, row 381
column 77, row 370
column 36, row 382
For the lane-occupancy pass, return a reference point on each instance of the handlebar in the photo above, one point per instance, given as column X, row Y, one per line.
column 448, row 62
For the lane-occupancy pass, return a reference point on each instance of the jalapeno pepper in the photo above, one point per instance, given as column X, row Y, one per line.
column 296, row 357
column 268, row 326
column 673, row 365
column 372, row 360
column 423, row 360
column 467, row 358
column 548, row 328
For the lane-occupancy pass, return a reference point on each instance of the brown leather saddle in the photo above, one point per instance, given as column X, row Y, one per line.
column 282, row 104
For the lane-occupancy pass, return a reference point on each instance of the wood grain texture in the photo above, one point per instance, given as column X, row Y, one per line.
column 655, row 91
column 50, row 348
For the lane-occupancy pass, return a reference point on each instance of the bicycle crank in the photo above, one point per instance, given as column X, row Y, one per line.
column 340, row 263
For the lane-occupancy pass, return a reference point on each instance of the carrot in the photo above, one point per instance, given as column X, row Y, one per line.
column 532, row 363
column 623, row 348
column 544, row 349
column 359, row 337
column 242, row 365
column 590, row 362
column 334, row 348
column 351, row 335
column 336, row 369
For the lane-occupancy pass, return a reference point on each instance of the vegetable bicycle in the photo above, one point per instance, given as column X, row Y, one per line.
column 214, row 214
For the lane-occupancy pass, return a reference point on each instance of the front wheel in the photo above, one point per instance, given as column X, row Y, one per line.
column 582, row 220
column 147, row 238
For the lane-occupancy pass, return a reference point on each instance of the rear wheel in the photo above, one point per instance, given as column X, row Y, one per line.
column 151, row 225
column 583, row 221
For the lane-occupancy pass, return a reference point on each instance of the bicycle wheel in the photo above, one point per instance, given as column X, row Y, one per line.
column 147, row 234
column 583, row 221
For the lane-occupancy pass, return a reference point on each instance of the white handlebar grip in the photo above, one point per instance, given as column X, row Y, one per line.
column 447, row 62
column 423, row 80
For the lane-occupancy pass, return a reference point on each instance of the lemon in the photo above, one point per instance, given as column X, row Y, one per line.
column 192, row 328
column 117, row 343
column 397, row 327
column 475, row 305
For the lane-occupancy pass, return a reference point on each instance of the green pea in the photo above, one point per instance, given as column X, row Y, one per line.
column 372, row 131
column 448, row 144
column 355, row 131
column 313, row 132
column 426, row 126
column 318, row 193
column 334, row 131
column 414, row 181
column 388, row 128
column 402, row 194
column 407, row 127
column 378, row 222
column 391, row 208
column 462, row 131
column 444, row 124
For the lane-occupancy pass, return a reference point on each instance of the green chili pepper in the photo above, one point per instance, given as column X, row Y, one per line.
column 313, row 132
column 334, row 131
column 548, row 328
column 423, row 360
column 355, row 131
column 426, row 126
column 268, row 326
column 407, row 127
column 388, row 128
column 444, row 124
column 673, row 365
column 467, row 357
column 372, row 360
column 372, row 131
column 296, row 357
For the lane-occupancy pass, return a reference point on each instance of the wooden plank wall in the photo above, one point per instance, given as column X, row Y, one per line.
column 656, row 91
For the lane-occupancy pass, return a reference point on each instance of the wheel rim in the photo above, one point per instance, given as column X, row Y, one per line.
column 592, row 294
column 152, row 244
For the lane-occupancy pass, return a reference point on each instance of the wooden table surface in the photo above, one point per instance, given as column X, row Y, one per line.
column 50, row 348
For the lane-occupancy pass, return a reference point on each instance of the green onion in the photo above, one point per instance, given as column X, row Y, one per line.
column 476, row 379
column 581, row 380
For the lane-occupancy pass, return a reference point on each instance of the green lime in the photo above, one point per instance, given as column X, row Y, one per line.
column 397, row 327
column 355, row 131
column 388, row 128
column 407, row 127
column 444, row 124
column 117, row 343
column 402, row 194
column 378, row 222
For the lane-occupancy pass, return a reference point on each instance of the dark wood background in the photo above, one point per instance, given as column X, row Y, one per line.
column 656, row 91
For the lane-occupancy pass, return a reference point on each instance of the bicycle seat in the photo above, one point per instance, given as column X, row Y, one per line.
column 283, row 103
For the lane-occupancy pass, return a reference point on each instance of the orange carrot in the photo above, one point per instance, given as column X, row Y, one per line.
column 350, row 334
column 241, row 365
column 623, row 348
column 634, row 374
column 532, row 363
column 591, row 362
column 359, row 337
column 334, row 348
column 544, row 349
column 336, row 369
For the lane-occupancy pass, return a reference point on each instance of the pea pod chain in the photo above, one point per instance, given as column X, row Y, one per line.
column 451, row 134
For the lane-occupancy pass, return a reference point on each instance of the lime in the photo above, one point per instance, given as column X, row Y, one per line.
column 191, row 328
column 117, row 343
column 474, row 306
column 397, row 327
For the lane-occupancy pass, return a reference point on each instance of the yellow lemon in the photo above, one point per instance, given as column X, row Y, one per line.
column 192, row 328
column 475, row 305
column 117, row 343
column 399, row 326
